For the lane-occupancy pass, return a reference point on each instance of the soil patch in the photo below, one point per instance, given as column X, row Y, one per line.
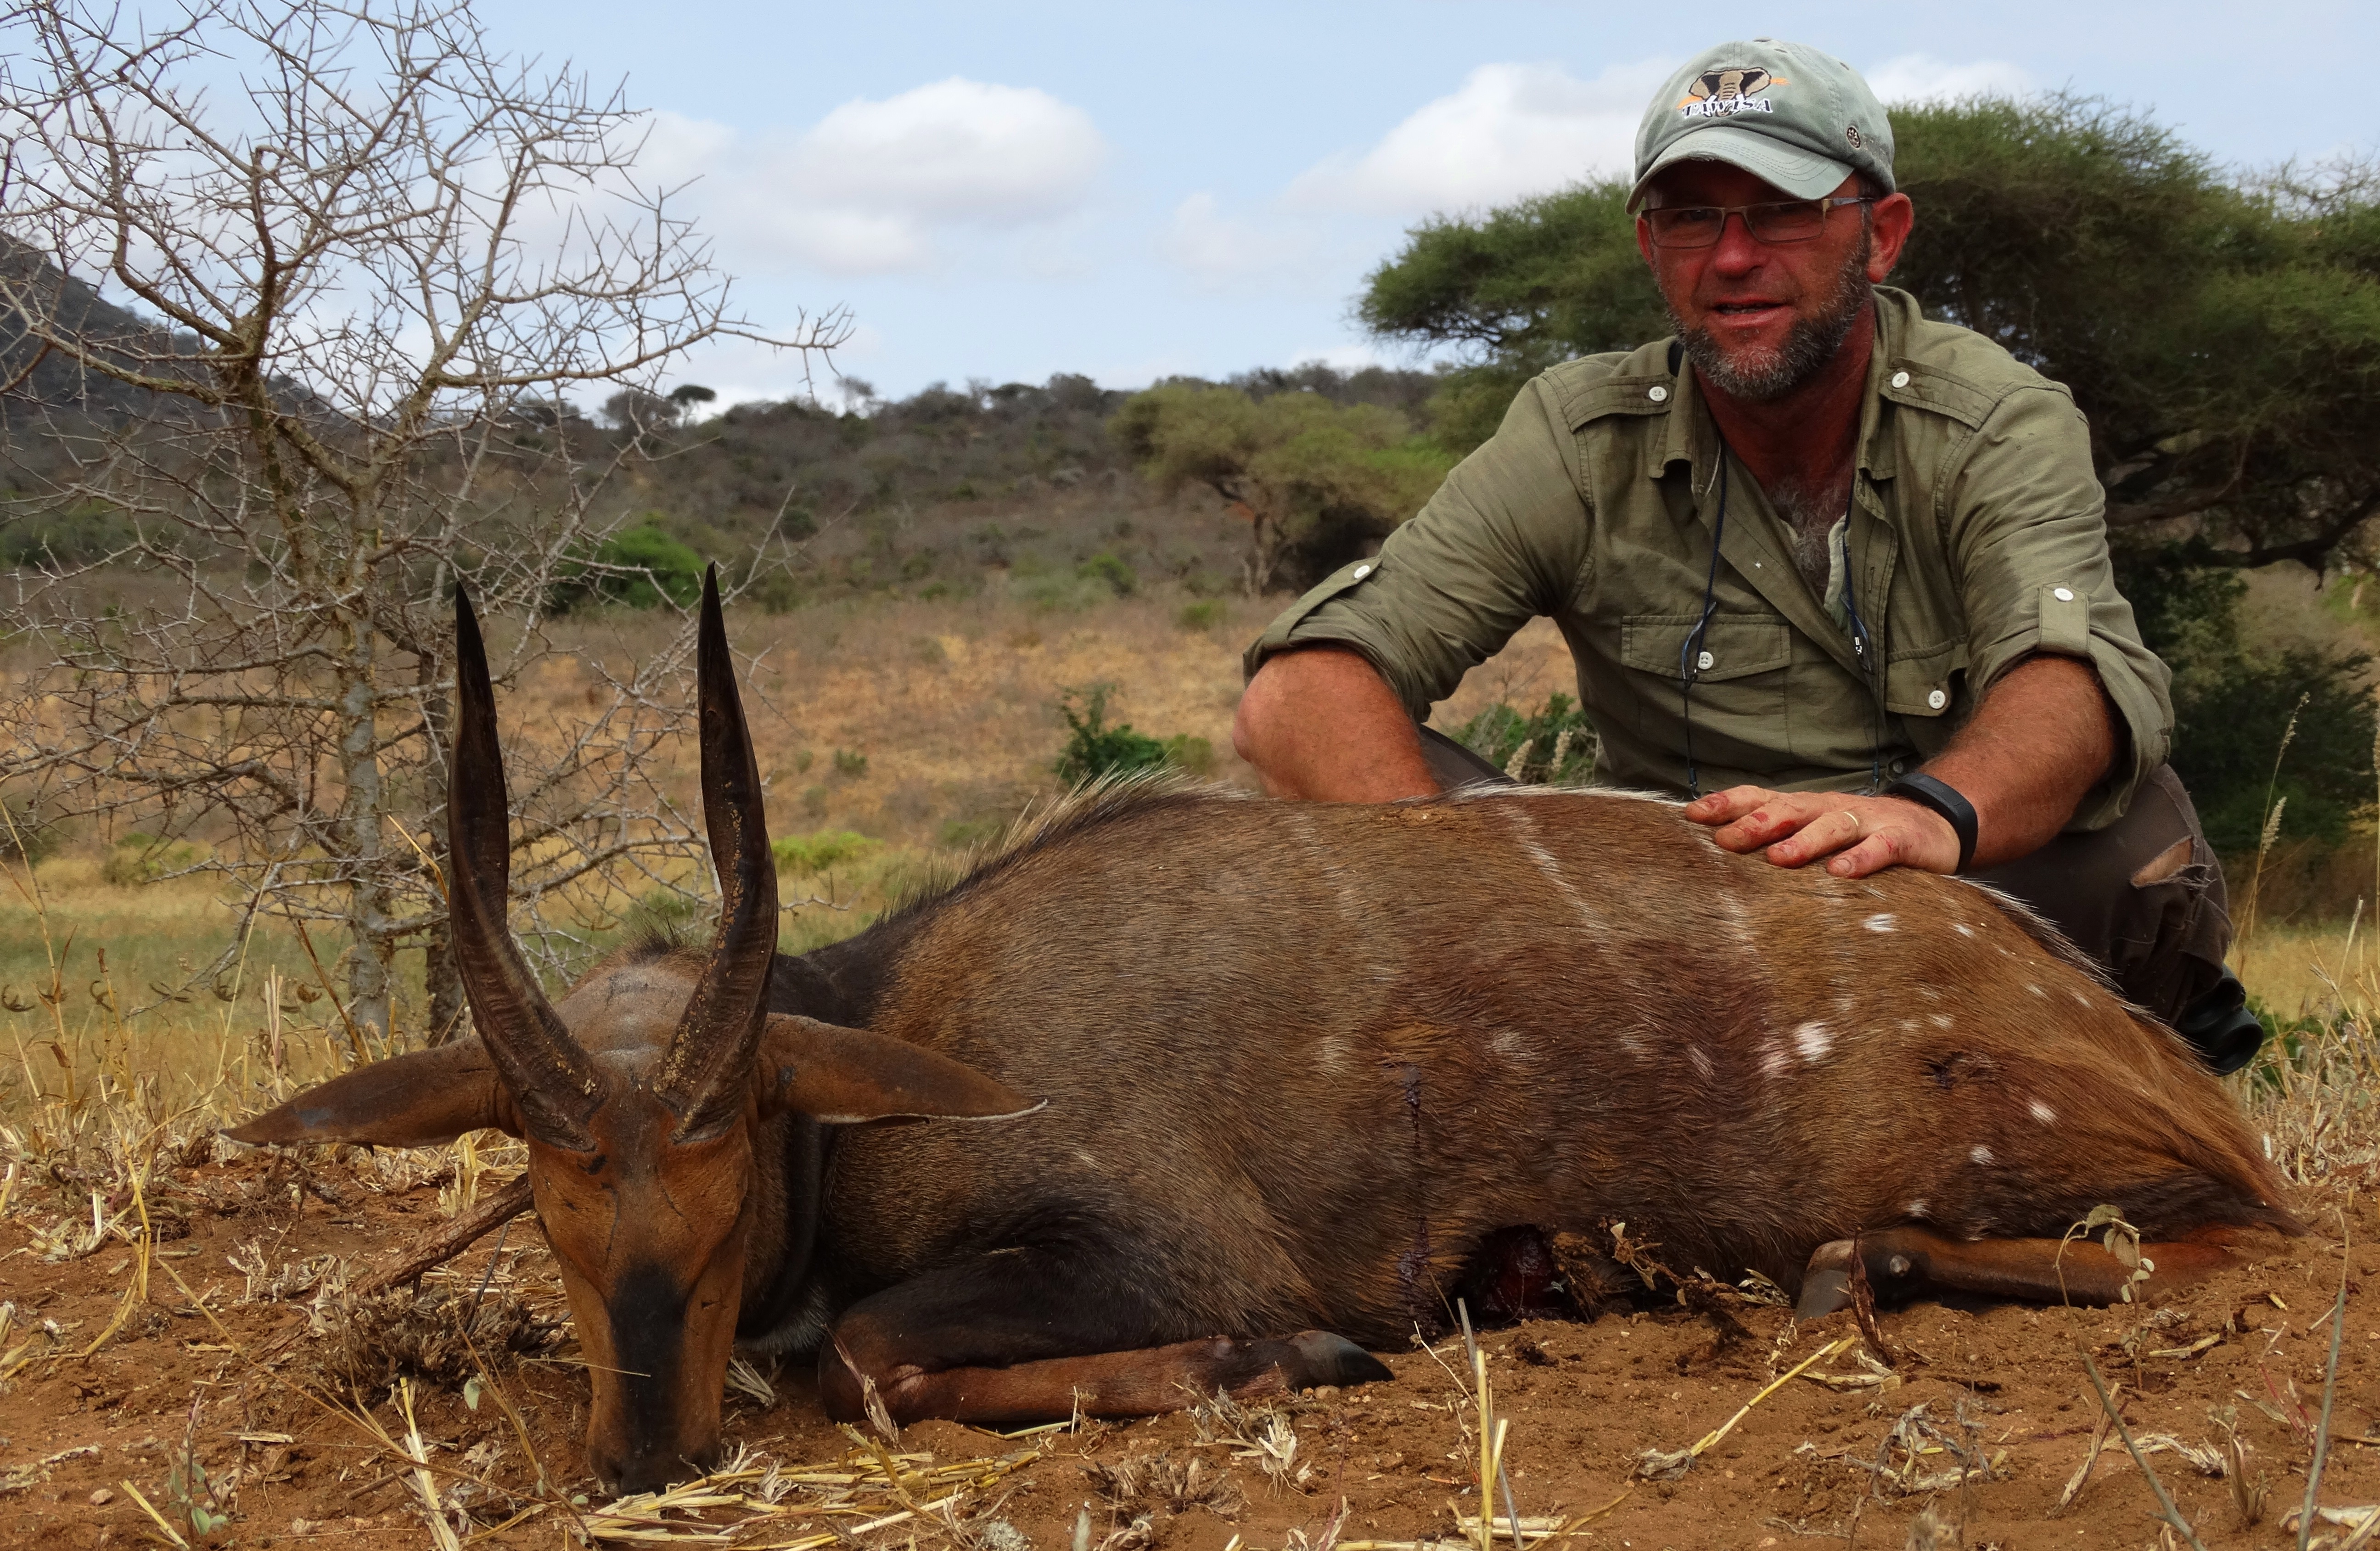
column 236, row 1409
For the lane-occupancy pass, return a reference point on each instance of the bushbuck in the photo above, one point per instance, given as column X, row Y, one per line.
column 1254, row 1084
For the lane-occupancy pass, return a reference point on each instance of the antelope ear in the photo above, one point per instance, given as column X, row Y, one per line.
column 413, row 1100
column 846, row 1076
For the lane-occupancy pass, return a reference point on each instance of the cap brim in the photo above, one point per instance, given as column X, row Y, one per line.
column 1797, row 173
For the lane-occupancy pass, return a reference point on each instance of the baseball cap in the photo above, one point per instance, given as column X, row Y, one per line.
column 1785, row 113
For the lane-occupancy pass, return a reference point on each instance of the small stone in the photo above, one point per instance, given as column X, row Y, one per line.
column 102, row 1497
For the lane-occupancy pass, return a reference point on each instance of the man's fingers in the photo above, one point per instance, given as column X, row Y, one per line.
column 1725, row 807
column 1870, row 855
column 1822, row 836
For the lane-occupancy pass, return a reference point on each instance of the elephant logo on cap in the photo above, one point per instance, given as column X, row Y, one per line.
column 1728, row 89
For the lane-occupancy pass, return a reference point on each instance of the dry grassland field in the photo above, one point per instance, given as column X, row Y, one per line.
column 193, row 1351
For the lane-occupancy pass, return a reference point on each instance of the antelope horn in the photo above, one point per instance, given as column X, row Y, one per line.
column 702, row 1077
column 554, row 1084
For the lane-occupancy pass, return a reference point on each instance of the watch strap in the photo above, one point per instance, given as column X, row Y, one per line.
column 1928, row 792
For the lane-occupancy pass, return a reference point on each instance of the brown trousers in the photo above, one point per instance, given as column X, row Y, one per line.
column 2142, row 896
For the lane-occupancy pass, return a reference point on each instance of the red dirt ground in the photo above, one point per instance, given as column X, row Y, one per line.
column 1584, row 1401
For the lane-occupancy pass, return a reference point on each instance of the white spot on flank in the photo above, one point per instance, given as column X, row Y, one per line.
column 1940, row 1020
column 2043, row 1113
column 1963, row 930
column 1982, row 1155
column 1814, row 1041
column 2081, row 998
column 1916, row 1209
column 1929, row 993
column 1524, row 831
column 1881, row 922
column 1739, row 921
column 1774, row 1062
column 1694, row 1053
column 2035, row 989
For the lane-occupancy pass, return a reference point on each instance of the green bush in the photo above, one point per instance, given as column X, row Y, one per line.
column 1499, row 733
column 1190, row 752
column 805, row 854
column 1094, row 748
column 1106, row 567
column 637, row 567
column 1205, row 614
column 88, row 531
column 850, row 762
column 2232, row 708
column 140, row 857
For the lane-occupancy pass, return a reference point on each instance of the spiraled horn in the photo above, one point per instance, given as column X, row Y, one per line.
column 702, row 1076
column 554, row 1084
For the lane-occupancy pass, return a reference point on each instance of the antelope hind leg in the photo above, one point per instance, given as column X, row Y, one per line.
column 1904, row 1263
column 1013, row 1337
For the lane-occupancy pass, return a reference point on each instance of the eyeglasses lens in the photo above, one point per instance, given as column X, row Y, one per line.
column 1699, row 226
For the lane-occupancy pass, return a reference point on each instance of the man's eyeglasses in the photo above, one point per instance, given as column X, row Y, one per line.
column 1778, row 221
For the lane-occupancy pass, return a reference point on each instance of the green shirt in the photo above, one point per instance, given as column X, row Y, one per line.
column 1975, row 538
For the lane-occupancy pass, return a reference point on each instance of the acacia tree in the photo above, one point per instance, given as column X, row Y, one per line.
column 357, row 292
column 1315, row 480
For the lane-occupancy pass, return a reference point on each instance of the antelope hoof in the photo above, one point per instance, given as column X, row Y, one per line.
column 1317, row 1357
column 1826, row 1284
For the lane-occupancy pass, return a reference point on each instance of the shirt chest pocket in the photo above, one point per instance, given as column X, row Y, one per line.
column 1740, row 671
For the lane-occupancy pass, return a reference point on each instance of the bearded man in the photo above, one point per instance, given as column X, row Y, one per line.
column 1836, row 573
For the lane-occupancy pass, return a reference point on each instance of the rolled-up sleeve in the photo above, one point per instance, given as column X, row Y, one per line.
column 1501, row 542
column 2026, row 520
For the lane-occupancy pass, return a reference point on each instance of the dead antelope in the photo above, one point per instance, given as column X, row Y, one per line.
column 1261, row 1070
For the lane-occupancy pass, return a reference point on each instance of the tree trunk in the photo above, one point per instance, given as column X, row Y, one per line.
column 361, row 816
column 442, row 984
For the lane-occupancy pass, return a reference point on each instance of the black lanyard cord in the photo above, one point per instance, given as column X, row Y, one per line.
column 1690, row 655
column 1863, row 644
column 1863, row 647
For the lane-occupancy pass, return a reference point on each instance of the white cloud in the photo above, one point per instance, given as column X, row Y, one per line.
column 1221, row 250
column 871, row 187
column 1921, row 78
column 1508, row 130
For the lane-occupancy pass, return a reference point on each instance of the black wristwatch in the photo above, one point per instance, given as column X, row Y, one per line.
column 1943, row 798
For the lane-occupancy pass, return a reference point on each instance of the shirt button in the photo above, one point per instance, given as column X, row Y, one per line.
column 1657, row 393
column 1937, row 699
column 1705, row 661
column 1362, row 571
column 1901, row 379
column 2063, row 594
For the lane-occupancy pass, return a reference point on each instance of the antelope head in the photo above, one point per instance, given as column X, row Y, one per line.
column 641, row 1096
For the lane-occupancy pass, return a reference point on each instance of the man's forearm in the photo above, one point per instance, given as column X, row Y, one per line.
column 2042, row 737
column 1321, row 722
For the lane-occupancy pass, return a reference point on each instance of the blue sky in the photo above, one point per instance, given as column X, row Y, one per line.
column 1003, row 192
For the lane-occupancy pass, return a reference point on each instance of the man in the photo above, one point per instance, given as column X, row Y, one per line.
column 1838, row 574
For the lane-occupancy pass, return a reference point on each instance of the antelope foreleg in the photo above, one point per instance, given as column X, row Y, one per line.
column 1010, row 1338
column 1904, row 1263
column 1145, row 1383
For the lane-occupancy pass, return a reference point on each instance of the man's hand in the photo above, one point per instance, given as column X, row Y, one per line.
column 1861, row 834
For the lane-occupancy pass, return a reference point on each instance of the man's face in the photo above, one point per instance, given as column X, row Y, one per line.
column 1760, row 318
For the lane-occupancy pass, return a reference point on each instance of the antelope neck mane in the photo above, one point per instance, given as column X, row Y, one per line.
column 1091, row 807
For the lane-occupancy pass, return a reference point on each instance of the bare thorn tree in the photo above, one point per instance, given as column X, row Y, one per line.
column 359, row 291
